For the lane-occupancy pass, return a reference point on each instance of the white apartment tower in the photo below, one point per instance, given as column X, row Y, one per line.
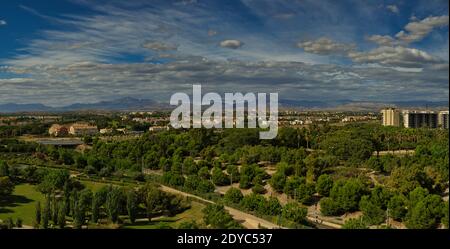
column 391, row 117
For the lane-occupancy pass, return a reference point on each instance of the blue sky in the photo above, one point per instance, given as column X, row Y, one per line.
column 63, row 52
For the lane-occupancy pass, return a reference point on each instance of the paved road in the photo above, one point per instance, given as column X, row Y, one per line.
column 249, row 221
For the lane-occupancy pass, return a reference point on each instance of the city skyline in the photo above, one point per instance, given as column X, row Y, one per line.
column 64, row 52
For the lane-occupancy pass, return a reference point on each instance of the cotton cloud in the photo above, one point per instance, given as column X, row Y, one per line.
column 233, row 44
column 393, row 8
column 382, row 40
column 2, row 22
column 89, row 82
column 325, row 46
column 159, row 46
column 395, row 56
column 417, row 30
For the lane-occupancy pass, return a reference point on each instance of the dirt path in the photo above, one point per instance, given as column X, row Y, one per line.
column 249, row 221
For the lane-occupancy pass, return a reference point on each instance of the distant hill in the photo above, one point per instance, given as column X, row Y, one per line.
column 134, row 104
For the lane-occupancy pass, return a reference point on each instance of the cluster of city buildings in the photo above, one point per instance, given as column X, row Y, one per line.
column 76, row 129
column 415, row 118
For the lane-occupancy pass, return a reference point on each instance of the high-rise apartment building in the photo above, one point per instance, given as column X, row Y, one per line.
column 443, row 119
column 391, row 117
column 420, row 119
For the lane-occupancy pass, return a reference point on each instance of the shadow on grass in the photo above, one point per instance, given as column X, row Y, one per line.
column 13, row 201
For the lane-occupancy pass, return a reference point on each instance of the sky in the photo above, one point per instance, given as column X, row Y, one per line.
column 60, row 52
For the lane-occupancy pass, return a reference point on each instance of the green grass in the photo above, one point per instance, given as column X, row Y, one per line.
column 21, row 204
column 94, row 186
column 192, row 214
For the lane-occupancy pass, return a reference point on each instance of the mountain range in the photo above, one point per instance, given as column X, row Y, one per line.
column 134, row 104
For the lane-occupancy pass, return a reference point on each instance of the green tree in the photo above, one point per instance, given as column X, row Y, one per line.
column 294, row 212
column 6, row 187
column 373, row 214
column 95, row 208
column 217, row 217
column 397, row 207
column 233, row 195
column 329, row 207
column 304, row 193
column 278, row 181
column 324, row 185
column 4, row 168
column 355, row 223
column 219, row 178
column 132, row 205
column 112, row 204
column 46, row 213
column 61, row 215
column 37, row 213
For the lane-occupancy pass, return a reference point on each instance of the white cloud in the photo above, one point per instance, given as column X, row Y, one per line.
column 395, row 56
column 233, row 44
column 417, row 30
column 325, row 46
column 2, row 22
column 159, row 46
column 393, row 8
column 382, row 40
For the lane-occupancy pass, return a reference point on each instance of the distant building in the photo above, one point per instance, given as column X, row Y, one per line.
column 58, row 130
column 420, row 119
column 106, row 131
column 391, row 117
column 443, row 119
column 83, row 129
column 158, row 128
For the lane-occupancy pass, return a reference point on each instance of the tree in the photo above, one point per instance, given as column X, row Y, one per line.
column 219, row 178
column 397, row 207
column 6, row 187
column 354, row 223
column 37, row 213
column 217, row 217
column 373, row 214
column 154, row 202
column 78, row 216
column 132, row 205
column 444, row 219
column 278, row 181
column 112, row 205
column 244, row 182
column 347, row 193
column 46, row 213
column 53, row 180
column 204, row 173
column 426, row 213
column 4, row 168
column 95, row 208
column 270, row 207
column 191, row 182
column 294, row 212
column 205, row 186
column 233, row 172
column 233, row 195
column 188, row 225
column 329, row 207
column 324, row 185
column 292, row 184
column 61, row 215
column 304, row 193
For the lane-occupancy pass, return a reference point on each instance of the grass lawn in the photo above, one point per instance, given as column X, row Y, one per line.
column 94, row 186
column 194, row 213
column 21, row 203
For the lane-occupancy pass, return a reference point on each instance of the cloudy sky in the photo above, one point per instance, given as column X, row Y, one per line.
column 62, row 52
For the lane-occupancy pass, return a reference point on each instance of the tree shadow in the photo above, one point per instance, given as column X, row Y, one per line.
column 14, row 201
